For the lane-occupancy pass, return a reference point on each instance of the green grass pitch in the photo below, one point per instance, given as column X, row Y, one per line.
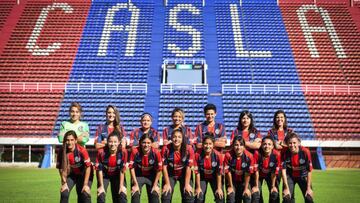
column 43, row 185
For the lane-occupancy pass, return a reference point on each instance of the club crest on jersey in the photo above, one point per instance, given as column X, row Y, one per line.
column 243, row 165
column 217, row 131
column 151, row 161
column 77, row 159
column 81, row 128
column 184, row 159
column 118, row 162
column 252, row 135
column 301, row 161
column 213, row 164
column 271, row 164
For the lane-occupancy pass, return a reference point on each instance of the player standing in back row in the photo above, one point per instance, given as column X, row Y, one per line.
column 211, row 126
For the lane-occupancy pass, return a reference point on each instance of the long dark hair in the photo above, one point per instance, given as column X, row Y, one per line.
column 238, row 138
column 275, row 125
column 117, row 125
column 252, row 128
column 183, row 142
column 65, row 166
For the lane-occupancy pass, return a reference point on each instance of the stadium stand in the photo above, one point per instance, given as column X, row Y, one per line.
column 343, row 106
column 263, row 105
column 297, row 56
column 28, row 113
column 253, row 45
column 119, row 51
column 5, row 9
column 180, row 39
column 42, row 45
column 323, row 58
column 130, row 101
column 315, row 55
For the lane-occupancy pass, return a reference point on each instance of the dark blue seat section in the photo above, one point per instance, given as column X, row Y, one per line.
column 260, row 29
column 192, row 103
column 94, row 103
column 264, row 105
column 190, row 22
column 114, row 65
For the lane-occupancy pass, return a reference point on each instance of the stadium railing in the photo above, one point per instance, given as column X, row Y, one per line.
column 38, row 86
column 186, row 87
column 290, row 88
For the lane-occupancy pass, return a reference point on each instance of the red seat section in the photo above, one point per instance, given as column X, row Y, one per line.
column 41, row 48
column 318, row 43
column 350, row 38
column 326, row 45
column 43, row 45
column 28, row 113
column 335, row 115
column 5, row 9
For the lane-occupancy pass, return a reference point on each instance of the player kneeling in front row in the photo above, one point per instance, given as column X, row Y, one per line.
column 267, row 165
column 111, row 167
column 297, row 164
column 75, row 168
column 208, row 169
column 238, row 165
column 145, row 169
column 178, row 158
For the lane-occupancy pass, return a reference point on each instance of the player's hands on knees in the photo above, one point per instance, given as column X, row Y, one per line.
column 309, row 192
column 247, row 192
column 188, row 189
column 274, row 189
column 166, row 189
column 286, row 192
column 230, row 190
column 64, row 187
column 134, row 189
column 198, row 191
column 100, row 190
column 86, row 189
column 219, row 193
column 122, row 189
column 156, row 189
column 254, row 189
